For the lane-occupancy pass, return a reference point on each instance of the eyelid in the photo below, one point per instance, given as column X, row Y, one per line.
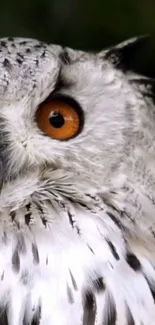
column 59, row 83
column 62, row 82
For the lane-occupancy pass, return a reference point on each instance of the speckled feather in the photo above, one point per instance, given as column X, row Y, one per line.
column 77, row 224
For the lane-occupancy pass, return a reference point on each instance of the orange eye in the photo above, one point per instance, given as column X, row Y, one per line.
column 59, row 119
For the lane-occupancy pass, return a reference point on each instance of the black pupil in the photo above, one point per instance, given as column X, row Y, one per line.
column 56, row 119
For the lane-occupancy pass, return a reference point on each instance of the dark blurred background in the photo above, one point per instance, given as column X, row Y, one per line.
column 84, row 24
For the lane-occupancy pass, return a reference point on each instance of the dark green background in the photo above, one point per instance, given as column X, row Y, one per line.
column 85, row 24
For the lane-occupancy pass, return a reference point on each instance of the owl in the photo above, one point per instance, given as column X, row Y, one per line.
column 77, row 186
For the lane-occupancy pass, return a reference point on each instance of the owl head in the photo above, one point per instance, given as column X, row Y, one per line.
column 62, row 109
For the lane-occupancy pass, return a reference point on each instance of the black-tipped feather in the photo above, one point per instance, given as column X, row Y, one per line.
column 123, row 54
column 147, row 86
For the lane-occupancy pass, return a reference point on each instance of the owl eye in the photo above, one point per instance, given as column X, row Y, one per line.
column 60, row 118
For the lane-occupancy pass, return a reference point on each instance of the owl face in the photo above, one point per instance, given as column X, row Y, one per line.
column 63, row 109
